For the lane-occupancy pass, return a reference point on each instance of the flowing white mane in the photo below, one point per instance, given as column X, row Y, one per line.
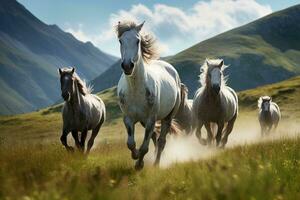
column 206, row 68
column 83, row 87
column 261, row 99
column 148, row 43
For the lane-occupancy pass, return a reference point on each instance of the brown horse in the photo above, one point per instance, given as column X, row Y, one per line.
column 214, row 103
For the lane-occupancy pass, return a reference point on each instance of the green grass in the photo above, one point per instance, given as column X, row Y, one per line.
column 34, row 165
column 262, row 171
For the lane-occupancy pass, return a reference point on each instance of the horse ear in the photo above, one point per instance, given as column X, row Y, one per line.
column 207, row 61
column 73, row 70
column 139, row 27
column 221, row 64
column 59, row 71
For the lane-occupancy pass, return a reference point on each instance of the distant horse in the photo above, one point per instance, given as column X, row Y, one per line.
column 214, row 103
column 148, row 90
column 269, row 114
column 82, row 111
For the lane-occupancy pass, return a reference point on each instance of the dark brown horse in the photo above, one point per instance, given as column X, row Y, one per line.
column 82, row 111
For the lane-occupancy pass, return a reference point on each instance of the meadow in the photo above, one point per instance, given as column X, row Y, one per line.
column 34, row 165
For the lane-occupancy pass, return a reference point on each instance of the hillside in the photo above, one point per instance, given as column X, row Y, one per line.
column 30, row 53
column 46, row 123
column 262, row 52
column 34, row 165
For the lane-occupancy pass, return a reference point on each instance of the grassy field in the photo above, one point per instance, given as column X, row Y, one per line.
column 34, row 165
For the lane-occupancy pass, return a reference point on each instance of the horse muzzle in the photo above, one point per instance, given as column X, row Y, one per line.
column 127, row 68
column 66, row 96
column 216, row 88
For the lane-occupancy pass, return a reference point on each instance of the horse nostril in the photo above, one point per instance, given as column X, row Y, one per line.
column 122, row 65
column 131, row 65
column 216, row 88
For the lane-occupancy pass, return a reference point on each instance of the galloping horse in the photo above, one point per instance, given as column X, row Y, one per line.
column 82, row 111
column 214, row 102
column 148, row 90
column 269, row 114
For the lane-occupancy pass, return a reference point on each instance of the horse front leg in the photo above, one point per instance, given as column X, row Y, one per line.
column 149, row 128
column 129, row 124
column 63, row 140
column 209, row 133
column 82, row 139
column 95, row 132
column 229, row 129
column 76, row 139
column 219, row 133
column 198, row 133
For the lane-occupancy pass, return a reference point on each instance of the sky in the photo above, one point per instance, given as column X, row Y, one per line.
column 176, row 24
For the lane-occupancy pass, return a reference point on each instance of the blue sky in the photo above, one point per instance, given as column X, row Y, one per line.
column 177, row 24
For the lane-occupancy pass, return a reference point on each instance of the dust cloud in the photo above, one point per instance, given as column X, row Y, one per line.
column 246, row 131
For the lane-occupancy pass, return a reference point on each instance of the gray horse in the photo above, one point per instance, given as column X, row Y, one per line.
column 82, row 111
column 269, row 114
column 214, row 103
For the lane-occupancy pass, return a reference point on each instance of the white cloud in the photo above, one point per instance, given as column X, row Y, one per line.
column 177, row 29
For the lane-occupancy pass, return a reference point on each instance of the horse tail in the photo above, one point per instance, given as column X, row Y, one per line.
column 175, row 128
column 183, row 94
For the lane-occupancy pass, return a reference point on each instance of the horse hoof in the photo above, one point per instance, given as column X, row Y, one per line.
column 70, row 149
column 139, row 165
column 203, row 141
column 134, row 155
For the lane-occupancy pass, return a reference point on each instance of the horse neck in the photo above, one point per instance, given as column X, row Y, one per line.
column 138, row 77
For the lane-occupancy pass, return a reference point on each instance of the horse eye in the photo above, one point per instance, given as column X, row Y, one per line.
column 120, row 41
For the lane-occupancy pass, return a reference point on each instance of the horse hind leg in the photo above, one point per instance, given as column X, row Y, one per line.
column 228, row 130
column 95, row 132
column 154, row 140
column 161, row 142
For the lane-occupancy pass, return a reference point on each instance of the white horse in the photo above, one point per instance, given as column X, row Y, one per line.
column 148, row 90
column 214, row 102
column 269, row 114
column 82, row 111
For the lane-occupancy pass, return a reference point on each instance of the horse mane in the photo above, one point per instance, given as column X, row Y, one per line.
column 83, row 87
column 205, row 69
column 262, row 99
column 148, row 43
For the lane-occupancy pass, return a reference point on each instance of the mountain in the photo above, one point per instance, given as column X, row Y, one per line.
column 30, row 53
column 262, row 52
column 108, row 78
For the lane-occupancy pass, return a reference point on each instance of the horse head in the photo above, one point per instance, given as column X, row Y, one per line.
column 130, row 46
column 67, row 82
column 215, row 74
column 264, row 103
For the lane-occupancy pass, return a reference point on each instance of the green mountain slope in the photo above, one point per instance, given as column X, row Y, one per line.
column 31, row 52
column 262, row 52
